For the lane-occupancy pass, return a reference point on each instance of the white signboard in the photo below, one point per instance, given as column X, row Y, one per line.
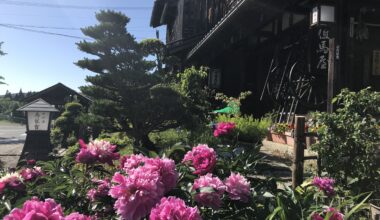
column 314, row 16
column 38, row 121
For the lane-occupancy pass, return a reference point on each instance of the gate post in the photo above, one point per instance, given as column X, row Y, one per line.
column 298, row 151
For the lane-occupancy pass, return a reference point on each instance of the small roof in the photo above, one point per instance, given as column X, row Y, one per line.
column 38, row 105
column 57, row 95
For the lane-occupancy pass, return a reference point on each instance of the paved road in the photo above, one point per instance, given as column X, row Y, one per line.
column 12, row 138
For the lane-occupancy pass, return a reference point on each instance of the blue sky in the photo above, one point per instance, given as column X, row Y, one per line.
column 36, row 61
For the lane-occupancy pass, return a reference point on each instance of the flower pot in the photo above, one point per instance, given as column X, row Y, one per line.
column 278, row 138
column 289, row 140
column 375, row 209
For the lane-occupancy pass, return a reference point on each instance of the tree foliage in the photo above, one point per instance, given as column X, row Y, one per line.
column 67, row 125
column 125, row 92
column 1, row 54
column 349, row 139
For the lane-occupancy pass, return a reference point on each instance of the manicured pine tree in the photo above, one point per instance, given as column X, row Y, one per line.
column 123, row 88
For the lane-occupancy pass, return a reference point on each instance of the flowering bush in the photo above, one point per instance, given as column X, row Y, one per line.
column 305, row 200
column 349, row 139
column 224, row 128
column 13, row 181
column 325, row 184
column 330, row 214
column 29, row 174
column 202, row 158
column 209, row 191
column 247, row 128
column 140, row 186
column 34, row 209
column 238, row 187
column 147, row 181
column 101, row 191
column 173, row 208
column 97, row 151
column 136, row 194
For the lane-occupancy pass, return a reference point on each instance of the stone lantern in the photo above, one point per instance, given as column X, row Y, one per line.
column 38, row 118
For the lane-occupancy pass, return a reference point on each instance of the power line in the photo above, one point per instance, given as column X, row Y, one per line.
column 141, row 28
column 43, row 32
column 47, row 5
column 40, row 27
column 51, row 33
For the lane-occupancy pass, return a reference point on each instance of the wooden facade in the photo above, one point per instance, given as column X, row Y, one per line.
column 270, row 47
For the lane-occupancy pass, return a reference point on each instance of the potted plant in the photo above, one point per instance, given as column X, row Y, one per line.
column 277, row 132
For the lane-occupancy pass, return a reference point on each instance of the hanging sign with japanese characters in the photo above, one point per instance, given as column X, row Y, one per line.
column 38, row 121
column 322, row 50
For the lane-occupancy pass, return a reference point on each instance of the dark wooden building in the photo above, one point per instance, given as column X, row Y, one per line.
column 58, row 95
column 293, row 55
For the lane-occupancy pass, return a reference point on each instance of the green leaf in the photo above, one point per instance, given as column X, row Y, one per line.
column 358, row 207
column 152, row 154
column 274, row 213
column 268, row 195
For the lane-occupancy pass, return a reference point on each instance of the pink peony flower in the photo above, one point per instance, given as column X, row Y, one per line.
column 85, row 155
column 165, row 167
column 174, row 209
column 238, row 187
column 137, row 193
column 224, row 128
column 202, row 157
column 29, row 174
column 97, row 151
column 131, row 162
column 102, row 190
column 77, row 216
column 147, row 181
column 12, row 181
column 2, row 187
column 325, row 184
column 334, row 214
column 330, row 212
column 209, row 191
column 316, row 216
column 35, row 209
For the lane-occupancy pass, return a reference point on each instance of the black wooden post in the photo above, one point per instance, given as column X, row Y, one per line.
column 331, row 76
column 298, row 151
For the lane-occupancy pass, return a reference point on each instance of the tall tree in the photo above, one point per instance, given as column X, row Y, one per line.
column 1, row 54
column 19, row 96
column 123, row 89
column 8, row 94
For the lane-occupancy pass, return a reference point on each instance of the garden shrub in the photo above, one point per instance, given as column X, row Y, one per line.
column 349, row 139
column 121, row 140
column 66, row 126
column 209, row 182
column 170, row 137
column 312, row 201
column 248, row 128
column 203, row 134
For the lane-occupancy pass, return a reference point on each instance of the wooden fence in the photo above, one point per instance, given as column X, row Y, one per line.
column 298, row 151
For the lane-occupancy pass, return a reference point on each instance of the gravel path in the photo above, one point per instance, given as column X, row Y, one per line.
column 12, row 138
